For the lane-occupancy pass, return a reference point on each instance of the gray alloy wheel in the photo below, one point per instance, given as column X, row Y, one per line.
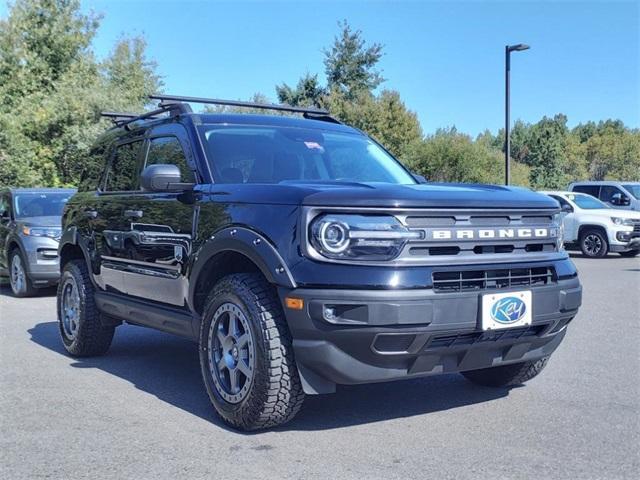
column 18, row 278
column 246, row 354
column 17, row 274
column 70, row 308
column 80, row 323
column 594, row 244
column 231, row 353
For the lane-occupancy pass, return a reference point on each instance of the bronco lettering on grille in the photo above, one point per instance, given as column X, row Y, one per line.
column 491, row 233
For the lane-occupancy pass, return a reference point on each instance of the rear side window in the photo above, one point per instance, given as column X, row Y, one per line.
column 123, row 171
column 4, row 206
column 92, row 169
column 588, row 189
column 168, row 150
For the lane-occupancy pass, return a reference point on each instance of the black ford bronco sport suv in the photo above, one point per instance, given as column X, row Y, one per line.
column 300, row 255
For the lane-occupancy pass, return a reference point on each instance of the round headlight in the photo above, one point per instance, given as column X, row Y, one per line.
column 334, row 236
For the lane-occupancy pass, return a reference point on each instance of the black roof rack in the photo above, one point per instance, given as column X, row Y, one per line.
column 176, row 104
column 307, row 112
column 123, row 119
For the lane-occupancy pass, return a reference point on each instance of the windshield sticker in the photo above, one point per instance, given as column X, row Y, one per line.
column 312, row 145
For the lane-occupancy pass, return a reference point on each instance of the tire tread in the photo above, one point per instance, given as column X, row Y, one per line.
column 93, row 337
column 283, row 396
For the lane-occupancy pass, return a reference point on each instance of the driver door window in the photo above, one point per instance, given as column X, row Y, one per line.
column 607, row 194
column 167, row 150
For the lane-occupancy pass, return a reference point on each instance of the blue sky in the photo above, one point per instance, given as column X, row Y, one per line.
column 445, row 58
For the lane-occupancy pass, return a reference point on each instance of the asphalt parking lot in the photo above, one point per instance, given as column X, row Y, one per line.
column 141, row 412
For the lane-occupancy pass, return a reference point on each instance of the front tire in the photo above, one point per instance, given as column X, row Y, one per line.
column 594, row 243
column 506, row 375
column 630, row 253
column 79, row 320
column 246, row 354
column 19, row 280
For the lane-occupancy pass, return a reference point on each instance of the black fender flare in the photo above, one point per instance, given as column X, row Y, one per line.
column 70, row 237
column 249, row 243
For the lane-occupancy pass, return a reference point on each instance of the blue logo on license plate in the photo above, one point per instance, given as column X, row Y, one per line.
column 508, row 310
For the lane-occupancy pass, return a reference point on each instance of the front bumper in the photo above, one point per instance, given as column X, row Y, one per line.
column 625, row 238
column 42, row 258
column 382, row 335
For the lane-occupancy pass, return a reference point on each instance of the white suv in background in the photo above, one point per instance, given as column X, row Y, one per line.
column 595, row 227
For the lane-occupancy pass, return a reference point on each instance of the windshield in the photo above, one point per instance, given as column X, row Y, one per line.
column 273, row 154
column 634, row 190
column 40, row 204
column 586, row 202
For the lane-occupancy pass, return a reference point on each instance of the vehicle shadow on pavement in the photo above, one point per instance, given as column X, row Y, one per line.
column 5, row 289
column 609, row 256
column 168, row 368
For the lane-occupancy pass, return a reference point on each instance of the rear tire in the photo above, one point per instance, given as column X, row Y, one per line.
column 506, row 375
column 630, row 253
column 246, row 354
column 79, row 320
column 594, row 243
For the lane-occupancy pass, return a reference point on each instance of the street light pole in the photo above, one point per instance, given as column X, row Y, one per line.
column 507, row 106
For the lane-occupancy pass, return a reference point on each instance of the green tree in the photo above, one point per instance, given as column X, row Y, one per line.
column 130, row 77
column 350, row 65
column 308, row 92
column 450, row 156
column 50, row 76
column 384, row 117
column 352, row 76
column 613, row 156
column 39, row 42
column 547, row 152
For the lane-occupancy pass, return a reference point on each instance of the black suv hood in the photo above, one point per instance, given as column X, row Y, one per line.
column 342, row 194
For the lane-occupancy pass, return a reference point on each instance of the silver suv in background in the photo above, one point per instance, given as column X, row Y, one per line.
column 596, row 229
column 30, row 226
column 624, row 195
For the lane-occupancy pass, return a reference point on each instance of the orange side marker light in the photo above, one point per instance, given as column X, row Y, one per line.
column 294, row 303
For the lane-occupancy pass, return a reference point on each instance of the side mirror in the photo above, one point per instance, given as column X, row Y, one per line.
column 566, row 208
column 163, row 178
column 616, row 199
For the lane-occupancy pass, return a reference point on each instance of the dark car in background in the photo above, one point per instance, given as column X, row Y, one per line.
column 29, row 235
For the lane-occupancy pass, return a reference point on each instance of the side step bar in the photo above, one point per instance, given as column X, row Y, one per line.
column 139, row 312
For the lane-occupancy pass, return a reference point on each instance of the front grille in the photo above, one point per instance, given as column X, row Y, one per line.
column 471, row 234
column 466, row 339
column 473, row 280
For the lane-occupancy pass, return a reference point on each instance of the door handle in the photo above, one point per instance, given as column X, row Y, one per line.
column 133, row 213
column 90, row 213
